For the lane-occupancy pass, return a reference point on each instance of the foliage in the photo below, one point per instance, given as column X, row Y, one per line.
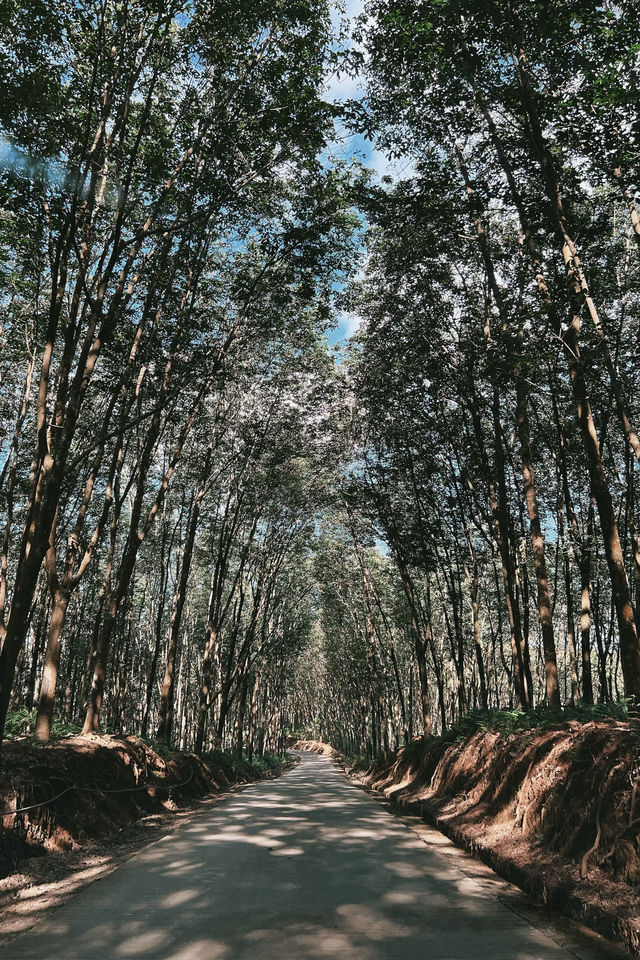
column 243, row 769
column 507, row 722
column 21, row 723
column 215, row 528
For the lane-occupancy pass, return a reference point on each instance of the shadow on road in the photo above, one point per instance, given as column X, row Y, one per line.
column 303, row 867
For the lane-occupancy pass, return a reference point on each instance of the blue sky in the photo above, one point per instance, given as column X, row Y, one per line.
column 346, row 146
column 342, row 88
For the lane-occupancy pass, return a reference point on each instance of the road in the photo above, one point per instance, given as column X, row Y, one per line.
column 307, row 866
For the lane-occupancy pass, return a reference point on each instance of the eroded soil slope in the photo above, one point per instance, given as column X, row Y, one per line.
column 100, row 784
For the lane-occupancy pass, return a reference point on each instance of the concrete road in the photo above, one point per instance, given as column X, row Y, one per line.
column 304, row 867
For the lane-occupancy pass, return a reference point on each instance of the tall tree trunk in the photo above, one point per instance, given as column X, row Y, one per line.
column 585, row 610
column 474, row 584
column 419, row 647
column 629, row 643
column 241, row 707
column 627, row 196
column 38, row 637
column 49, row 683
column 253, row 717
column 165, row 712
column 552, row 689
column 157, row 633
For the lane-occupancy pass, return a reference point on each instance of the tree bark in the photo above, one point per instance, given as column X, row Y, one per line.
column 552, row 689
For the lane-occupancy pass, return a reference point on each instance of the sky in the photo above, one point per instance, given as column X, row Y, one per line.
column 346, row 146
column 342, row 88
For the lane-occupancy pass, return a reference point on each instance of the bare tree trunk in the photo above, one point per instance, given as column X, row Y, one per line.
column 162, row 590
column 629, row 643
column 165, row 712
column 253, row 716
column 627, row 196
column 585, row 610
column 474, row 584
column 51, row 665
column 552, row 688
column 38, row 637
column 419, row 647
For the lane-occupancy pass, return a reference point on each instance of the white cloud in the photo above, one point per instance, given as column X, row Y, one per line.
column 342, row 87
column 349, row 9
column 349, row 324
column 384, row 166
column 354, row 8
column 380, row 163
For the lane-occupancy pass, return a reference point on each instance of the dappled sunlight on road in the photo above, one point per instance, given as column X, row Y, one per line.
column 306, row 867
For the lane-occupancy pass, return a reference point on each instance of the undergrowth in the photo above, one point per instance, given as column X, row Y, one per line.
column 22, row 723
column 514, row 721
column 497, row 721
column 257, row 767
column 158, row 746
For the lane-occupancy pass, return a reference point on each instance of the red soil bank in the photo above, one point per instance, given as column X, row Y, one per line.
column 126, row 780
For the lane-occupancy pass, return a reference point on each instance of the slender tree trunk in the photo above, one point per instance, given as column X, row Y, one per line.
column 585, row 610
column 627, row 196
column 571, row 632
column 629, row 643
column 253, row 716
column 165, row 713
column 419, row 648
column 38, row 637
column 157, row 642
column 552, row 689
column 51, row 664
column 474, row 584
column 242, row 704
column 579, row 295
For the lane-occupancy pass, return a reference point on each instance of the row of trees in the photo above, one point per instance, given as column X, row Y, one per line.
column 170, row 244
column 210, row 530
column 494, row 384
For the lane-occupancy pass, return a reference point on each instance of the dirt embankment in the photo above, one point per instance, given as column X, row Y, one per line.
column 85, row 788
column 556, row 810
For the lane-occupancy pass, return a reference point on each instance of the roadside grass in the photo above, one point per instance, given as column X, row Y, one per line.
column 259, row 767
column 495, row 721
column 22, row 722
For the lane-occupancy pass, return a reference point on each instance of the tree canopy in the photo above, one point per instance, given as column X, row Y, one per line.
column 220, row 527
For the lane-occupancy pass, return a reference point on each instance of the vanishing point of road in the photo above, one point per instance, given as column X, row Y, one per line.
column 307, row 866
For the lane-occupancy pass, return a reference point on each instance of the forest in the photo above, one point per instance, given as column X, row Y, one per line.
column 290, row 445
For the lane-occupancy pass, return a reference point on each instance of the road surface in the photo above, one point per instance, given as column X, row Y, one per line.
column 307, row 866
